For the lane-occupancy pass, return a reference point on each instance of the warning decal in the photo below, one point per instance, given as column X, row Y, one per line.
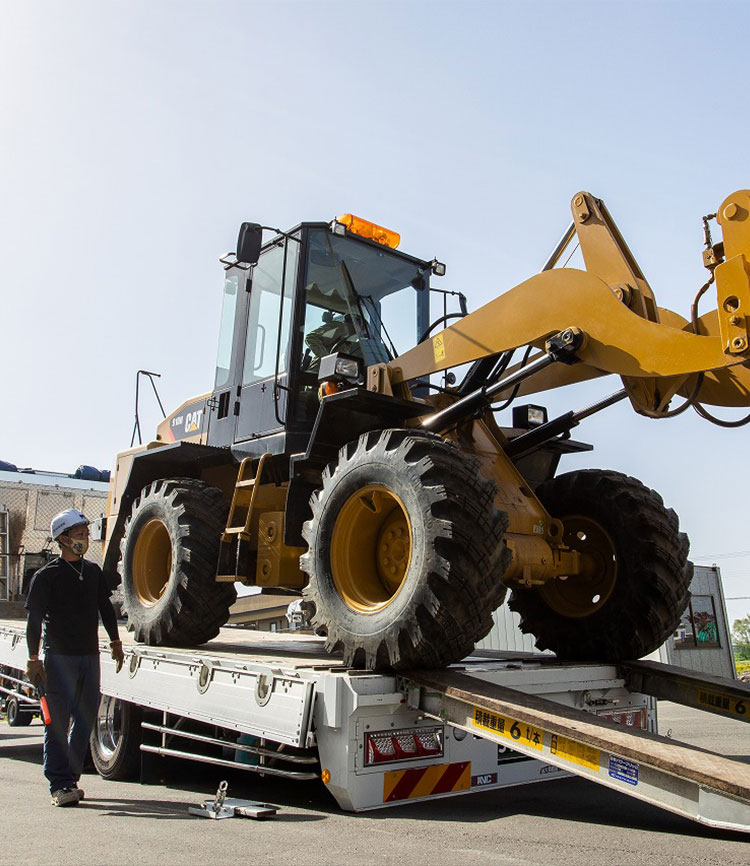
column 438, row 348
column 426, row 781
column 576, row 753
column 722, row 703
column 519, row 732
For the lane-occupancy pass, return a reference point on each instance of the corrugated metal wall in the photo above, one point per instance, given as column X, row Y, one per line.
column 506, row 634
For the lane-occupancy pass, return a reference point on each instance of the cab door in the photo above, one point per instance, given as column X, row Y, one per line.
column 263, row 406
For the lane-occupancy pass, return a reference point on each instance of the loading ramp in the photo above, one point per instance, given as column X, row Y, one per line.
column 695, row 783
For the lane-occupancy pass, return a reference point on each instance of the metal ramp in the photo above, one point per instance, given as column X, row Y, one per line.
column 692, row 782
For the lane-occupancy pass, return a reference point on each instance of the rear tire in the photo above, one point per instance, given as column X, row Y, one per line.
column 406, row 552
column 636, row 588
column 15, row 715
column 116, row 740
column 169, row 555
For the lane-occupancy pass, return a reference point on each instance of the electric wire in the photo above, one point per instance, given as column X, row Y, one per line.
column 697, row 405
column 515, row 391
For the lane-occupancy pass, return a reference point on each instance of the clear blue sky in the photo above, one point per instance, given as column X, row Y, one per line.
column 136, row 136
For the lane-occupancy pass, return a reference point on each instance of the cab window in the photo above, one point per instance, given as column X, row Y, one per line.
column 268, row 314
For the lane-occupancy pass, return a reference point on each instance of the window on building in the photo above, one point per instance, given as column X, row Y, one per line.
column 698, row 628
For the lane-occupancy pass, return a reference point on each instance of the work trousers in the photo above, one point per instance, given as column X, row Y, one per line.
column 73, row 701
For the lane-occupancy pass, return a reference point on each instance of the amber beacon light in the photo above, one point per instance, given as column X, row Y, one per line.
column 357, row 226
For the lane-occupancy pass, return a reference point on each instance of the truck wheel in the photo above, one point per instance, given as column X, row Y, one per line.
column 116, row 740
column 169, row 553
column 17, row 717
column 406, row 552
column 634, row 584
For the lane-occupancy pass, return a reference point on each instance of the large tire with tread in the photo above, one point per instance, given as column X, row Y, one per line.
column 15, row 714
column 636, row 572
column 169, row 555
column 405, row 552
column 115, row 742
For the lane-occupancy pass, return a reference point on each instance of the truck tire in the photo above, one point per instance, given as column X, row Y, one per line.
column 405, row 552
column 116, row 740
column 169, row 554
column 15, row 715
column 635, row 584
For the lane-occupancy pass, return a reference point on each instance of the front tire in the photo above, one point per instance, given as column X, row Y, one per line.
column 406, row 552
column 169, row 554
column 636, row 574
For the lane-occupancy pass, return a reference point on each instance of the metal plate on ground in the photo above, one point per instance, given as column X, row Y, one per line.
column 234, row 808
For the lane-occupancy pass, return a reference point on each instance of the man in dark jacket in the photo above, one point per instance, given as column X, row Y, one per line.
column 65, row 599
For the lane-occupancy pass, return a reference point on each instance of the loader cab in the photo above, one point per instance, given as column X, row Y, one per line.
column 315, row 290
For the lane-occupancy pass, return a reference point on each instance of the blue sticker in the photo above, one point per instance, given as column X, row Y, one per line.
column 625, row 771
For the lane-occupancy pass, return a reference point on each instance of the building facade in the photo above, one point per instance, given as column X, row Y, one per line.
column 28, row 502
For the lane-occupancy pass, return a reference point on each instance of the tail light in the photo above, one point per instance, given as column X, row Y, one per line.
column 382, row 747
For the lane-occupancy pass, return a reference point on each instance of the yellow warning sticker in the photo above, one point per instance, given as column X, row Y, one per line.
column 576, row 753
column 723, row 703
column 518, row 732
column 438, row 348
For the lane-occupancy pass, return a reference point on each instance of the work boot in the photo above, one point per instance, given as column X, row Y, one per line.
column 79, row 792
column 65, row 797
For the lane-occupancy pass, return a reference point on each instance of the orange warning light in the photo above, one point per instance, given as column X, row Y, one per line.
column 328, row 387
column 370, row 231
column 325, row 776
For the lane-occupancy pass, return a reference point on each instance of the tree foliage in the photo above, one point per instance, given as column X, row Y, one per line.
column 741, row 638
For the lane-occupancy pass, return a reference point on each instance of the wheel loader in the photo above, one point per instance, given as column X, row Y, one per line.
column 349, row 450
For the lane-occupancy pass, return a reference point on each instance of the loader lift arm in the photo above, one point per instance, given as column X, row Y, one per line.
column 653, row 349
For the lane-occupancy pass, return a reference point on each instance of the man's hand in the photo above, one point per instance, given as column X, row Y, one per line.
column 35, row 671
column 117, row 654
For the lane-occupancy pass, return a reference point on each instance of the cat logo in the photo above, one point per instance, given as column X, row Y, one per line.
column 193, row 421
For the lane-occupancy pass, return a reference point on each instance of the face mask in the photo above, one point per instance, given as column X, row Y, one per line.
column 78, row 546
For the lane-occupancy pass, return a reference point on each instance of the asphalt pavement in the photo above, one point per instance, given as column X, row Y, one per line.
column 562, row 822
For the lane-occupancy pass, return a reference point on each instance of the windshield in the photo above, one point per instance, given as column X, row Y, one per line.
column 359, row 300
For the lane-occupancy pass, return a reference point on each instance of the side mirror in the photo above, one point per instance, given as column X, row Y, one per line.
column 249, row 243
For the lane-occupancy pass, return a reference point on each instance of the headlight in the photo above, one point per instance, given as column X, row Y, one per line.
column 340, row 367
column 527, row 417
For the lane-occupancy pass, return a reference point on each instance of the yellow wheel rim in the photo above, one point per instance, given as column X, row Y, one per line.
column 152, row 562
column 371, row 549
column 584, row 593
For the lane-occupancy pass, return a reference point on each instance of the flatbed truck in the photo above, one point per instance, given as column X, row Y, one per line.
column 279, row 705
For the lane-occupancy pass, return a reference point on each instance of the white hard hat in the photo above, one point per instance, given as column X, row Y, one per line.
column 66, row 520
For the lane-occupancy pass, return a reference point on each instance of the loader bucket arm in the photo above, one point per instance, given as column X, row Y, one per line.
column 641, row 343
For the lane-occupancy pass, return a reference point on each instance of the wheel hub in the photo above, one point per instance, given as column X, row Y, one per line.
column 371, row 549
column 586, row 592
column 152, row 562
column 108, row 727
